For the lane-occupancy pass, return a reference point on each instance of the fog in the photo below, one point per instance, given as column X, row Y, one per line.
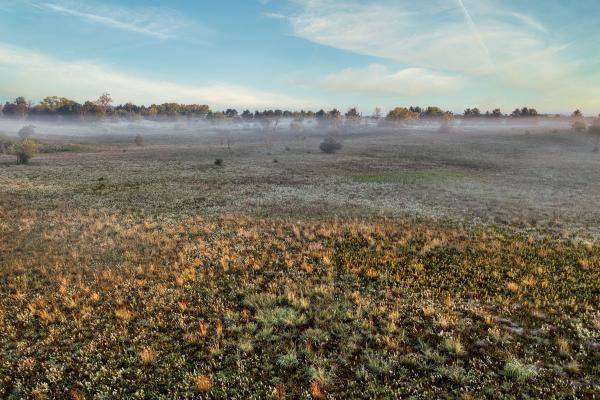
column 52, row 129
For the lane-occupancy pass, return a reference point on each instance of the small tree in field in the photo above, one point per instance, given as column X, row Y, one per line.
column 139, row 140
column 24, row 150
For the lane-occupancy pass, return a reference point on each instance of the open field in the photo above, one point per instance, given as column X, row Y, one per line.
column 409, row 264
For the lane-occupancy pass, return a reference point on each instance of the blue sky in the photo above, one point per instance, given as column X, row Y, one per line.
column 306, row 53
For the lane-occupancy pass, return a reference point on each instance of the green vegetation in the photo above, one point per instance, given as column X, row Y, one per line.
column 24, row 150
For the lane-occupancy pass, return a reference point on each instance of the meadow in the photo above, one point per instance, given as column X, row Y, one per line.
column 410, row 264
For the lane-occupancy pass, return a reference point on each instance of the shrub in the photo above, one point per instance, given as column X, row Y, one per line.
column 330, row 145
column 578, row 126
column 24, row 150
column 219, row 161
column 139, row 140
column 27, row 131
column 5, row 143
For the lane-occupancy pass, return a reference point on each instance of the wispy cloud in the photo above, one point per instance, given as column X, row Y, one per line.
column 273, row 15
column 157, row 23
column 379, row 79
column 35, row 75
column 486, row 42
column 434, row 34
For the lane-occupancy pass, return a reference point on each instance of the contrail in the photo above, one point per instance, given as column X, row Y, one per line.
column 475, row 31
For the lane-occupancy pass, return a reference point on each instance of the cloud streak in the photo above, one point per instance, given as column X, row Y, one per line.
column 35, row 75
column 161, row 24
column 506, row 52
column 439, row 34
column 378, row 79
column 475, row 32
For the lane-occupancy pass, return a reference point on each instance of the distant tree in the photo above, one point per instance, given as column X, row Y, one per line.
column 334, row 114
column 104, row 102
column 23, row 107
column 90, row 109
column 139, row 140
column 432, row 112
column 377, row 113
column 578, row 122
column 24, row 150
column 446, row 121
column 217, row 117
column 402, row 114
column 472, row 113
column 320, row 114
column 352, row 116
column 27, row 131
column 18, row 108
column 496, row 113
column 56, row 106
column 231, row 113
column 528, row 112
column 269, row 121
column 247, row 114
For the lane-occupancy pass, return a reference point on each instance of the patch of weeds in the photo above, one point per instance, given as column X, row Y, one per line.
column 519, row 371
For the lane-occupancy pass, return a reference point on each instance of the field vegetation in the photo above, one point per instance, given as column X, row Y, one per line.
column 408, row 263
column 101, row 305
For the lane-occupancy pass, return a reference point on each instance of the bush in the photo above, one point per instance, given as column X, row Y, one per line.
column 27, row 131
column 139, row 140
column 330, row 145
column 24, row 150
column 5, row 143
column 219, row 161
column 578, row 126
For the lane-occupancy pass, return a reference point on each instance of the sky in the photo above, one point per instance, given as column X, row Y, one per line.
column 306, row 54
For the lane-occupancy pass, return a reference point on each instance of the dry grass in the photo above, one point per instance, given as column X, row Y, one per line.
column 221, row 294
column 146, row 284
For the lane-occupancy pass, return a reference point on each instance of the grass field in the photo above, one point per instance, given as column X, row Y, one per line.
column 408, row 265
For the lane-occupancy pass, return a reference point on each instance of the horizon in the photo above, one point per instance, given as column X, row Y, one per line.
column 304, row 54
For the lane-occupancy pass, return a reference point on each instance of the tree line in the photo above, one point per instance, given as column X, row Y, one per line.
column 62, row 107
